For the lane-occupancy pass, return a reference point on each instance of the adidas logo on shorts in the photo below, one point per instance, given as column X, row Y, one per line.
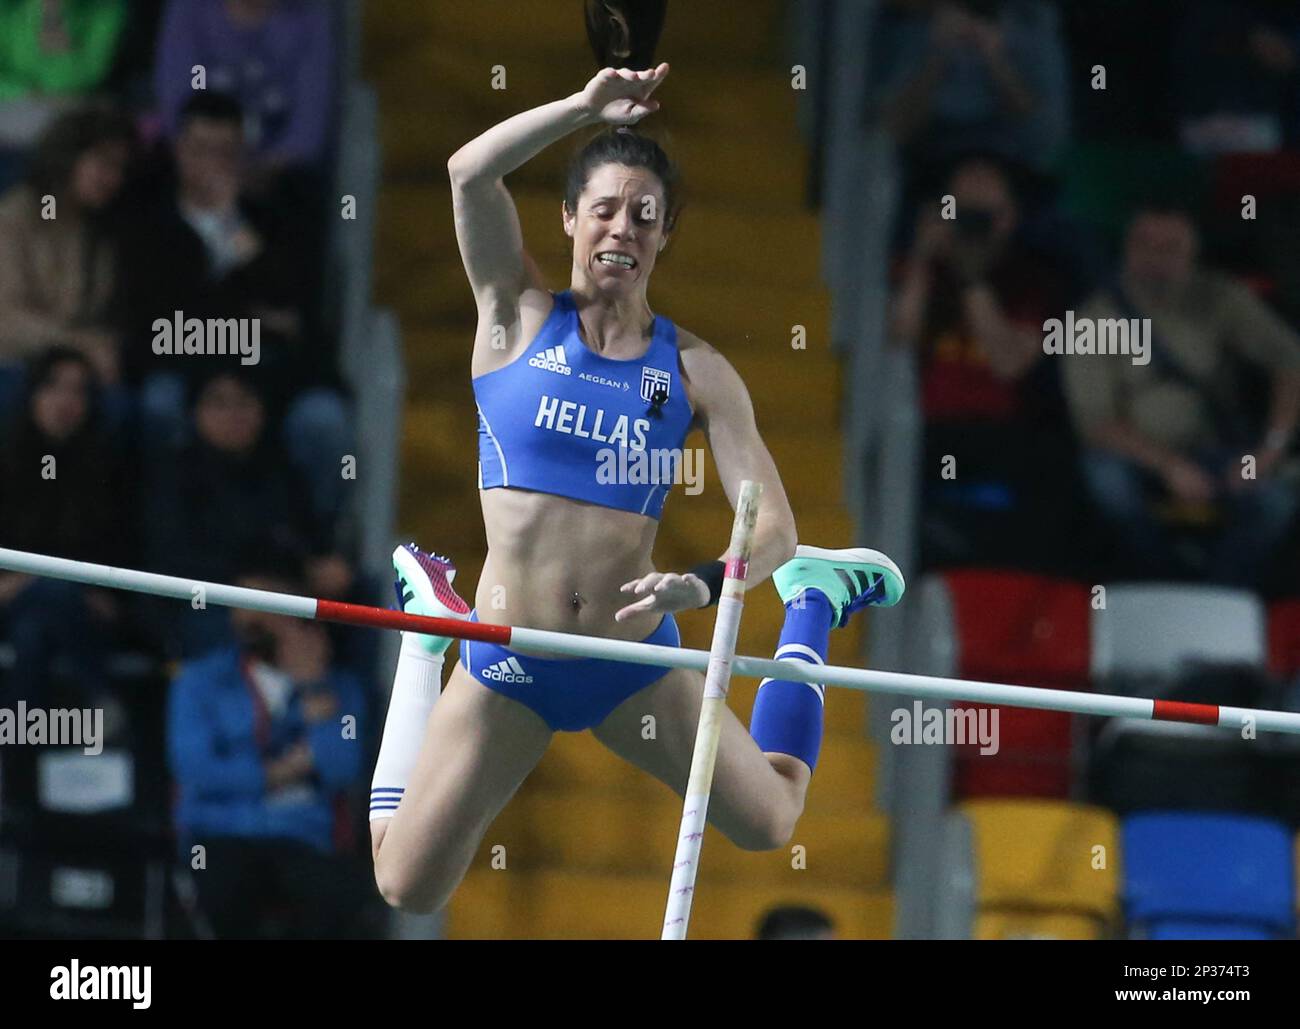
column 509, row 670
column 551, row 359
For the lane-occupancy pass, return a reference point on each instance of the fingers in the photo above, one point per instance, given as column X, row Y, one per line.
column 646, row 604
column 655, row 582
column 639, row 111
column 642, row 584
column 655, row 78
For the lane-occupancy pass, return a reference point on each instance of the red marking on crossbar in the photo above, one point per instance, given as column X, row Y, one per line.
column 357, row 614
column 737, row 568
column 1180, row 711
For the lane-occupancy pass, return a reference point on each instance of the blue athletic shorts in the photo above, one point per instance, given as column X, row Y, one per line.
column 568, row 694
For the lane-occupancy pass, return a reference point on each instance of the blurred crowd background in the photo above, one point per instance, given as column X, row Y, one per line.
column 164, row 160
column 1078, row 521
column 1117, row 180
column 1113, row 158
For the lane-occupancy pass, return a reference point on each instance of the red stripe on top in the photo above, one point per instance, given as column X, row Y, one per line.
column 1179, row 711
column 359, row 614
column 737, row 568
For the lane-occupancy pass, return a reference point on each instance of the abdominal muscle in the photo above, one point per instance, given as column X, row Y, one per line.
column 544, row 549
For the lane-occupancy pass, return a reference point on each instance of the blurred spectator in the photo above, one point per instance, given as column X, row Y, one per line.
column 795, row 922
column 972, row 303
column 227, row 491
column 951, row 77
column 54, row 52
column 1177, row 428
column 263, row 738
column 58, row 264
column 208, row 250
column 275, row 56
column 61, row 490
column 1237, row 75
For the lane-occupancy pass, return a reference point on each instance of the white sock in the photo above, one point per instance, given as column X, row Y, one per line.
column 416, row 686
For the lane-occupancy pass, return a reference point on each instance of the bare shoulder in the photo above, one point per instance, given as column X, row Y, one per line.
column 700, row 358
column 711, row 380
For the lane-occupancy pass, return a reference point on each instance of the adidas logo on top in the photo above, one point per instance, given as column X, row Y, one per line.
column 509, row 670
column 551, row 359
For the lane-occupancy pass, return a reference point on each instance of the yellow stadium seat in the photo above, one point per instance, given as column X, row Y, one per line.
column 839, row 849
column 1045, row 855
column 602, row 832
column 1003, row 925
column 554, row 905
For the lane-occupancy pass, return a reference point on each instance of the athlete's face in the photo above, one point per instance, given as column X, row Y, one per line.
column 618, row 228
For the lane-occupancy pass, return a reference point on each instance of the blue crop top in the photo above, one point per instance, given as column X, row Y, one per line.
column 561, row 419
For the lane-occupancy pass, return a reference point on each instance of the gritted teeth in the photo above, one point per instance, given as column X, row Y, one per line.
column 612, row 257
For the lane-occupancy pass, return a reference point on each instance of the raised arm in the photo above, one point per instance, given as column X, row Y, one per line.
column 726, row 413
column 487, row 224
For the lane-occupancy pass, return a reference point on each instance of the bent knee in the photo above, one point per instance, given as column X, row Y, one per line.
column 404, row 888
column 771, row 833
column 407, row 894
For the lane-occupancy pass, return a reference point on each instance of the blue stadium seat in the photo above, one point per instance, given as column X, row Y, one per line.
column 1191, row 867
column 1210, row 931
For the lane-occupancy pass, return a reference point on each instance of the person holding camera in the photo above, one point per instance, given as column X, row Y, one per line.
column 971, row 303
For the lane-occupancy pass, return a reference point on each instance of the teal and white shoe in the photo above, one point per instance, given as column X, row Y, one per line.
column 424, row 588
column 849, row 579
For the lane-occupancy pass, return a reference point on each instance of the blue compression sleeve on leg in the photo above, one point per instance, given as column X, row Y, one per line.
column 787, row 716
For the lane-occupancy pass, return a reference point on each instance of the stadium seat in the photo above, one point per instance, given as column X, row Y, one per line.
column 1284, row 638
column 1150, row 766
column 1034, row 757
column 1041, row 855
column 91, row 888
column 1210, row 931
column 1153, row 629
column 839, row 849
column 572, row 905
column 1028, row 629
column 1208, row 867
column 1260, row 175
column 1011, row 624
column 1016, row 925
column 1016, row 858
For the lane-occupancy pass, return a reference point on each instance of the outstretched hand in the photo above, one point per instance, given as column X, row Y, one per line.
column 664, row 592
column 620, row 96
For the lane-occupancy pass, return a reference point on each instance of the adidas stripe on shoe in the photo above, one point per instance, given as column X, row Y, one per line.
column 850, row 579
